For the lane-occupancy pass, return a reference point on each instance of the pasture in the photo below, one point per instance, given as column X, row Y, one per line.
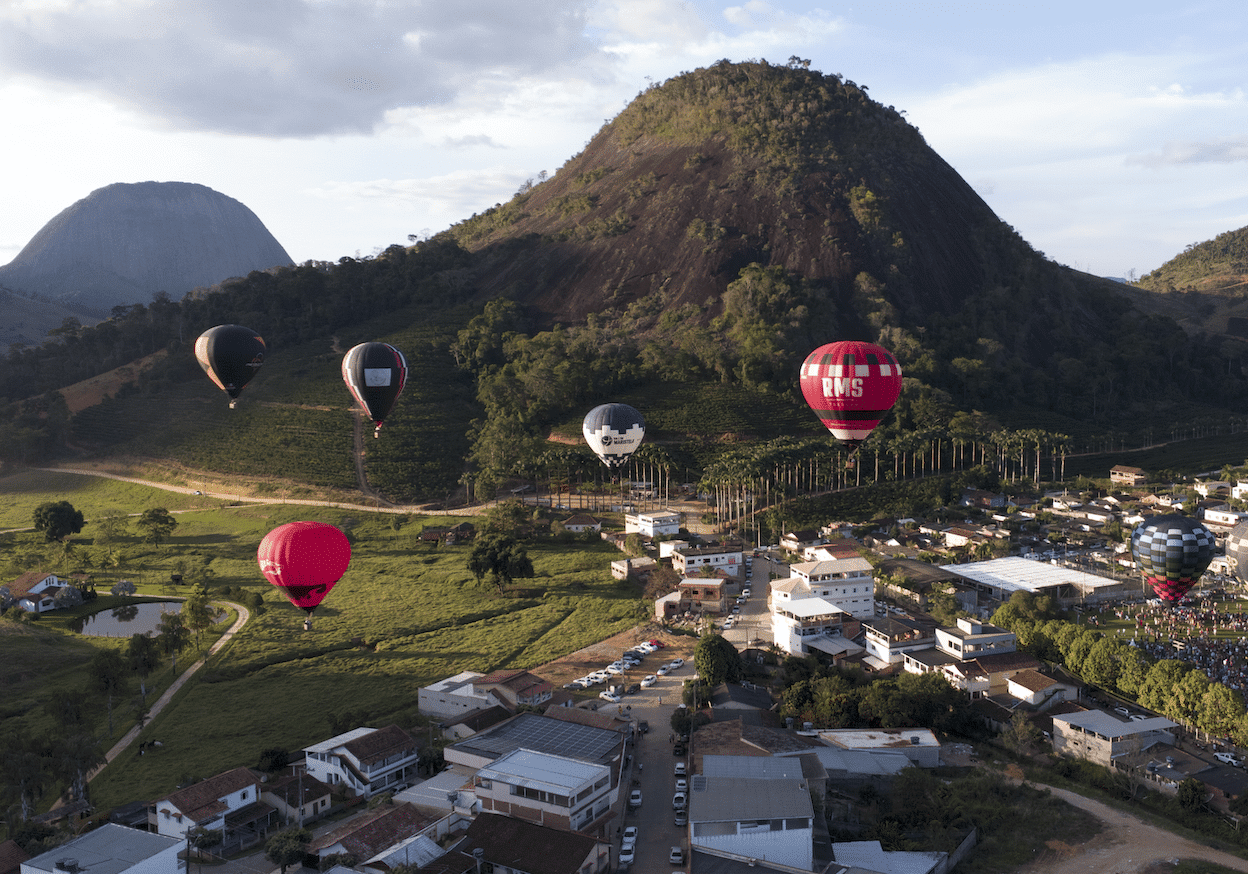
column 406, row 613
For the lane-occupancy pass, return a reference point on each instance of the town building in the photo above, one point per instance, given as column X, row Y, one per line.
column 1102, row 737
column 110, row 849
column 35, row 591
column 546, row 789
column 365, row 761
column 690, row 560
column 661, row 523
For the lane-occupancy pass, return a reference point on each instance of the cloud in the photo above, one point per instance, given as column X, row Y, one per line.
column 292, row 68
column 1222, row 151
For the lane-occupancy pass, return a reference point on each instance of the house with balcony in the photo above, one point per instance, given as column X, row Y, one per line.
column 887, row 639
column 228, row 803
column 973, row 656
column 661, row 523
column 365, row 761
column 515, row 688
column 547, row 789
column 849, row 583
column 1123, row 474
column 806, row 625
column 35, row 591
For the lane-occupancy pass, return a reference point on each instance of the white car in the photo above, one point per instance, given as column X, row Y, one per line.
column 680, row 801
column 634, row 800
column 663, row 671
column 676, row 663
column 682, row 785
column 609, row 696
column 615, row 669
column 745, row 592
column 728, row 623
column 648, row 681
column 630, row 836
column 627, row 855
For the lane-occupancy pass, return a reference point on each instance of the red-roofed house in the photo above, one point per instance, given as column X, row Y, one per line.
column 229, row 803
column 374, row 832
column 35, row 591
column 515, row 688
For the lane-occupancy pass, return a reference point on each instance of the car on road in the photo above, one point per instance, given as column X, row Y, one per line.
column 682, row 785
column 745, row 592
column 630, row 836
column 676, row 856
column 1229, row 759
column 679, row 770
column 680, row 801
column 609, row 696
column 676, row 663
column 681, row 818
column 663, row 671
column 678, row 750
column 627, row 855
column 633, row 689
column 643, row 726
column 648, row 681
column 634, row 798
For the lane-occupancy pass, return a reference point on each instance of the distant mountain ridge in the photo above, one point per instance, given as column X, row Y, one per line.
column 125, row 242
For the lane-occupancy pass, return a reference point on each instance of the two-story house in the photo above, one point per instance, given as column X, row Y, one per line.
column 35, row 591
column 228, row 803
column 849, row 583
column 547, row 789
column 366, row 761
column 661, row 523
column 690, row 560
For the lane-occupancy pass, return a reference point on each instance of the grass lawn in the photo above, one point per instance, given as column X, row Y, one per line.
column 405, row 614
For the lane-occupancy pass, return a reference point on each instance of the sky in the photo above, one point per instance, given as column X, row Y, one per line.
column 1110, row 136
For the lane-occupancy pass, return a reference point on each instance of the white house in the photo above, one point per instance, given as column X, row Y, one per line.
column 799, row 626
column 452, row 697
column 35, row 591
column 765, row 819
column 847, row 582
column 661, row 523
column 919, row 745
column 581, row 522
column 693, row 559
column 229, row 803
column 110, row 849
column 887, row 639
column 365, row 760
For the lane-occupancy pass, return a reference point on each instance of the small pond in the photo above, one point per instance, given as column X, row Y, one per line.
column 127, row 620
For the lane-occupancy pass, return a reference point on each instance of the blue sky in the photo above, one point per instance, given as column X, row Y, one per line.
column 1110, row 137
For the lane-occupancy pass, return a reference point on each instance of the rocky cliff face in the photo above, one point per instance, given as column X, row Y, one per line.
column 125, row 242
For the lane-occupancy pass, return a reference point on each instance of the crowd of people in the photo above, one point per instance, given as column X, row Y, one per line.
column 1198, row 630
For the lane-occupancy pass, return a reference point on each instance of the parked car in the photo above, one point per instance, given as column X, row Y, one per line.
column 609, row 696
column 680, row 769
column 676, row 856
column 663, row 671
column 634, row 798
column 676, row 663
column 633, row 689
column 648, row 681
column 627, row 855
column 682, row 817
column 680, row 801
column 682, row 785
column 678, row 750
column 745, row 592
column 1229, row 759
column 630, row 836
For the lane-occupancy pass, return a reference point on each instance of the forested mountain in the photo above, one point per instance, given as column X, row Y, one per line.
column 724, row 224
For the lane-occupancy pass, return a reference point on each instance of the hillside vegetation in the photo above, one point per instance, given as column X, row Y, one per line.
column 723, row 225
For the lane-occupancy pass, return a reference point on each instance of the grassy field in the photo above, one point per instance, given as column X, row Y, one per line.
column 405, row 614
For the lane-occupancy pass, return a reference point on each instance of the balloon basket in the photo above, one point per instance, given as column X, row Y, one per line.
column 233, row 404
column 307, row 624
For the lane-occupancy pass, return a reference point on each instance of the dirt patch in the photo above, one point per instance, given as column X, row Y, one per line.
column 91, row 391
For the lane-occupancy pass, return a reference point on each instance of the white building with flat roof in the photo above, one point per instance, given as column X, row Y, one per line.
column 110, row 849
column 453, row 697
column 795, row 625
column 847, row 582
column 1001, row 577
column 546, row 789
column 661, row 523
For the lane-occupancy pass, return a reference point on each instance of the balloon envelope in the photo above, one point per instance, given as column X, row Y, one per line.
column 230, row 355
column 613, row 431
column 851, row 386
column 304, row 560
column 1172, row 552
column 1237, row 551
column 375, row 374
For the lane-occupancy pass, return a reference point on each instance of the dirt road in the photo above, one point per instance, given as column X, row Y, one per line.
column 1128, row 845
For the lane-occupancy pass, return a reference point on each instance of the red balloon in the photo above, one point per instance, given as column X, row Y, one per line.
column 304, row 560
column 851, row 386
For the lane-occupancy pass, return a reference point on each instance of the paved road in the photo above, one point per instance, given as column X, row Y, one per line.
column 652, row 767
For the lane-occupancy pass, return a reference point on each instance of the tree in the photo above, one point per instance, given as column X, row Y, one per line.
column 288, row 847
column 74, row 758
column 717, row 660
column 1021, row 735
column 108, row 675
column 501, row 557
column 25, row 772
column 203, row 839
column 173, row 636
column 1191, row 795
column 58, row 520
column 198, row 614
column 157, row 523
column 123, row 587
column 143, row 654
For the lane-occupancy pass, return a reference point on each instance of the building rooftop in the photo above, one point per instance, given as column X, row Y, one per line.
column 545, row 771
column 855, row 565
column 1016, row 574
column 733, row 799
column 531, row 731
column 110, row 849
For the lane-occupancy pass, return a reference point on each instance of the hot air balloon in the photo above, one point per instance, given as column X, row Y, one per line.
column 851, row 386
column 230, row 355
column 304, row 560
column 1172, row 552
column 1237, row 551
column 375, row 374
column 613, row 431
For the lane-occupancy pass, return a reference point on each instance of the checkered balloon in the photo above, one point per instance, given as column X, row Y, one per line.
column 1172, row 552
column 1237, row 551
